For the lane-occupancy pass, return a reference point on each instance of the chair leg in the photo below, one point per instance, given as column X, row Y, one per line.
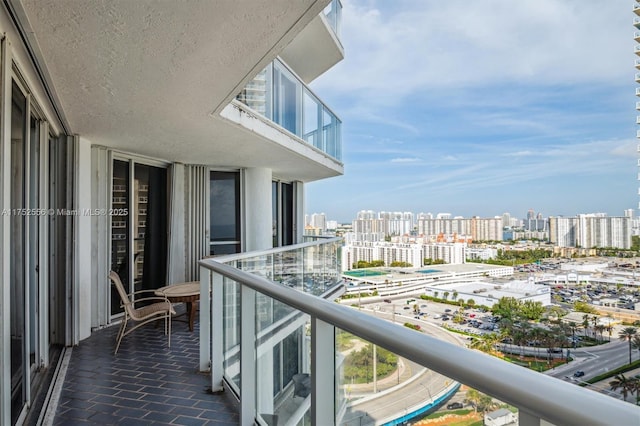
column 123, row 326
column 169, row 326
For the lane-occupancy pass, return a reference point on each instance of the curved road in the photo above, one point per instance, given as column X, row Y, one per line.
column 423, row 385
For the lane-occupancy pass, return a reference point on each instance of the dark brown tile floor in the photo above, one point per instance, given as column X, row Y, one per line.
column 146, row 383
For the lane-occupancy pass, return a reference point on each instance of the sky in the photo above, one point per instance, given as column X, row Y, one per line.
column 483, row 107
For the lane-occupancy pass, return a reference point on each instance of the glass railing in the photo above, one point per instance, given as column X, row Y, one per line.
column 295, row 358
column 279, row 95
column 333, row 13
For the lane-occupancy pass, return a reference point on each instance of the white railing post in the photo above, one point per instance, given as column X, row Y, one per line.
column 527, row 419
column 323, row 386
column 217, row 324
column 205, row 319
column 248, row 381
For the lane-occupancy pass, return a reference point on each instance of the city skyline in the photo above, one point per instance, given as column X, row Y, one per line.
column 450, row 215
column 480, row 109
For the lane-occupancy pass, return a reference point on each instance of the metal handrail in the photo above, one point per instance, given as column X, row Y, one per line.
column 247, row 255
column 533, row 393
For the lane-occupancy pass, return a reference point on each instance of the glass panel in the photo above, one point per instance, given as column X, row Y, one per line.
column 224, row 212
column 17, row 252
column 231, row 332
column 311, row 107
column 285, row 112
column 333, row 13
column 290, row 380
column 149, row 227
column 34, row 237
column 256, row 93
column 120, row 229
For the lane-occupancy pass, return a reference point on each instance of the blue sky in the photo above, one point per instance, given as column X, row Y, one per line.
column 483, row 107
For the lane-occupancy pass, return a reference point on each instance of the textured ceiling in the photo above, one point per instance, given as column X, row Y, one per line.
column 151, row 76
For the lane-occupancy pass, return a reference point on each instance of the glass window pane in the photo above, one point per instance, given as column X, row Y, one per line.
column 225, row 212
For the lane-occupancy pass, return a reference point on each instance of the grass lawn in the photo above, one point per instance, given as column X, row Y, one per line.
column 533, row 363
column 452, row 418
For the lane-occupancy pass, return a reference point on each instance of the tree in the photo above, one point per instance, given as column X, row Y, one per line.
column 532, row 310
column 445, row 295
column 473, row 398
column 455, row 295
column 625, row 385
column 507, row 307
column 485, row 342
column 628, row 334
column 635, row 342
column 599, row 328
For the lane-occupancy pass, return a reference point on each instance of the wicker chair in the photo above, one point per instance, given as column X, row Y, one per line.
column 151, row 308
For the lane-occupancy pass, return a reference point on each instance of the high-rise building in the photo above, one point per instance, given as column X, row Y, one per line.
column 148, row 135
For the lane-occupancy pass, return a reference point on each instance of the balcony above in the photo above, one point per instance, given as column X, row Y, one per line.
column 636, row 9
column 283, row 101
column 317, row 48
column 156, row 85
column 636, row 36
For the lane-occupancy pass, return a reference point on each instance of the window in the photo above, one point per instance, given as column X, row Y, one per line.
column 225, row 213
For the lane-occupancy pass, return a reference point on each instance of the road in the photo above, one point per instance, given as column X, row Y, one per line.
column 423, row 385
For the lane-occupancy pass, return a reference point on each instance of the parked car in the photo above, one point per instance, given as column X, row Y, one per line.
column 387, row 300
column 447, row 310
column 578, row 373
column 454, row 406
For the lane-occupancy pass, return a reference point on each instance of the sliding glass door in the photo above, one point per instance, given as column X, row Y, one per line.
column 138, row 227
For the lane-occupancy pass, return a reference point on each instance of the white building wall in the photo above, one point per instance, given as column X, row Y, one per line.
column 257, row 199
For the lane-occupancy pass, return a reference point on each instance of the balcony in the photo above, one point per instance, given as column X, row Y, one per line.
column 636, row 23
column 279, row 95
column 637, row 50
column 636, row 9
column 636, row 36
column 270, row 335
column 317, row 48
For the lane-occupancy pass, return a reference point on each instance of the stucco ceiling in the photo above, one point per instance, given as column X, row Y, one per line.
column 151, row 76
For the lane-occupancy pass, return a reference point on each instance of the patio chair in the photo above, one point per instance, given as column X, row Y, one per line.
column 142, row 310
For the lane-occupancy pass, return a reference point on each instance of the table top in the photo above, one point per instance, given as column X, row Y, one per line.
column 180, row 290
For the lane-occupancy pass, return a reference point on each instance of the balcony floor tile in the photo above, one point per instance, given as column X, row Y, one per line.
column 145, row 383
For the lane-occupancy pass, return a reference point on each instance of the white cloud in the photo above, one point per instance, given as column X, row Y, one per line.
column 396, row 48
column 405, row 160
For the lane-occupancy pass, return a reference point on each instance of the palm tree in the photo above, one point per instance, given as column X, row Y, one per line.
column 446, row 295
column 585, row 324
column 486, row 342
column 628, row 334
column 455, row 295
column 635, row 342
column 599, row 328
column 624, row 384
column 473, row 398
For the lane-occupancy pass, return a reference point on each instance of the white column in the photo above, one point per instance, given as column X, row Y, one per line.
column 82, row 246
column 258, row 233
column 322, row 373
